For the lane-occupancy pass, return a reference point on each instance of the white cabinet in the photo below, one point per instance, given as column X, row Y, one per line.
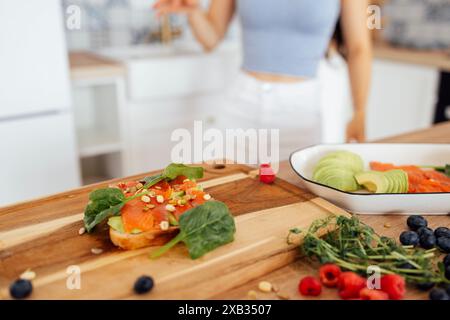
column 171, row 92
column 402, row 98
column 33, row 60
column 100, row 121
column 37, row 148
column 152, row 124
column 178, row 76
column 40, row 159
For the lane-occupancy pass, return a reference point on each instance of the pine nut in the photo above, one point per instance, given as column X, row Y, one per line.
column 164, row 225
column 96, row 250
column 207, row 197
column 265, row 286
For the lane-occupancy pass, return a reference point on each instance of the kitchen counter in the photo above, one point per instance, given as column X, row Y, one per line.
column 87, row 65
column 287, row 278
column 84, row 64
column 438, row 59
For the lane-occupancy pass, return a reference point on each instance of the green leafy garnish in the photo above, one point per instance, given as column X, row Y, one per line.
column 172, row 171
column 104, row 203
column 203, row 229
column 152, row 180
column 447, row 170
column 355, row 246
column 107, row 202
column 443, row 169
column 177, row 169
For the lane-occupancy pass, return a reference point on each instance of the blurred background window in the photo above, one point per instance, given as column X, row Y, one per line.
column 420, row 24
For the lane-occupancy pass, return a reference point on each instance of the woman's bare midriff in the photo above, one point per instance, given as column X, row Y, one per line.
column 267, row 77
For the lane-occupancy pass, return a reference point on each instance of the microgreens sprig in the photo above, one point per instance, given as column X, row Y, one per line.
column 355, row 246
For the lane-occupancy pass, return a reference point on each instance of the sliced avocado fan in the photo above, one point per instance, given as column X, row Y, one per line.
column 393, row 181
column 338, row 169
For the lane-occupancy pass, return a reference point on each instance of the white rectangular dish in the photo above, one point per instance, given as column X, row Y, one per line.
column 303, row 162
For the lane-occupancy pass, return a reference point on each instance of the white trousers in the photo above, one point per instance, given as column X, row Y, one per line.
column 292, row 108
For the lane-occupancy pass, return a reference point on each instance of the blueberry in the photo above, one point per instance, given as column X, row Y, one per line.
column 428, row 241
column 409, row 238
column 424, row 286
column 447, row 272
column 143, row 284
column 424, row 230
column 415, row 222
column 442, row 232
column 439, row 294
column 406, row 266
column 20, row 289
column 448, row 289
column 447, row 260
column 443, row 243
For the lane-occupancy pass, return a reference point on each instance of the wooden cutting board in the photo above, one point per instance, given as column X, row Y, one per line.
column 42, row 236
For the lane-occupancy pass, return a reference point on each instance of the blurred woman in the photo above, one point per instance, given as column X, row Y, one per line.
column 284, row 42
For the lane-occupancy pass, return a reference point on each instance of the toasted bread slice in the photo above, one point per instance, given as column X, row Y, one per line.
column 129, row 241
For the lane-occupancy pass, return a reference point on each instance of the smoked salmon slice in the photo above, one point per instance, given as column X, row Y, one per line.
column 419, row 180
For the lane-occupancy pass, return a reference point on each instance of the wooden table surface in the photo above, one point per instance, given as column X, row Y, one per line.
column 287, row 278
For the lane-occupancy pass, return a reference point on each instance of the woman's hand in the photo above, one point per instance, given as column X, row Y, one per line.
column 176, row 6
column 208, row 26
column 356, row 128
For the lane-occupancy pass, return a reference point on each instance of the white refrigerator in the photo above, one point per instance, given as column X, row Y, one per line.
column 38, row 153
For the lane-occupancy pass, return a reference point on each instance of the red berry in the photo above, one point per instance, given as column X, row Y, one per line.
column 372, row 294
column 329, row 275
column 394, row 286
column 309, row 286
column 350, row 284
column 266, row 174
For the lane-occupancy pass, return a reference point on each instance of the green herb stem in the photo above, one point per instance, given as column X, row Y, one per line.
column 159, row 252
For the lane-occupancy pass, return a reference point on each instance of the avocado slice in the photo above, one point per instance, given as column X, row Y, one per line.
column 116, row 224
column 349, row 159
column 177, row 194
column 336, row 163
column 340, row 179
column 374, row 181
column 393, row 181
column 337, row 170
column 399, row 179
column 392, row 184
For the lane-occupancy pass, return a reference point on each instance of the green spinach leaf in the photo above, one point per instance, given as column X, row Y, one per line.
column 172, row 171
column 203, row 229
column 152, row 180
column 177, row 169
column 104, row 203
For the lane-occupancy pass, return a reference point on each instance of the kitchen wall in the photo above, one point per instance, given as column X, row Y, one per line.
column 111, row 23
column 107, row 23
column 418, row 23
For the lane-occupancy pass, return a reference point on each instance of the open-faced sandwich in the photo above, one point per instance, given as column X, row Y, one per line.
column 153, row 211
